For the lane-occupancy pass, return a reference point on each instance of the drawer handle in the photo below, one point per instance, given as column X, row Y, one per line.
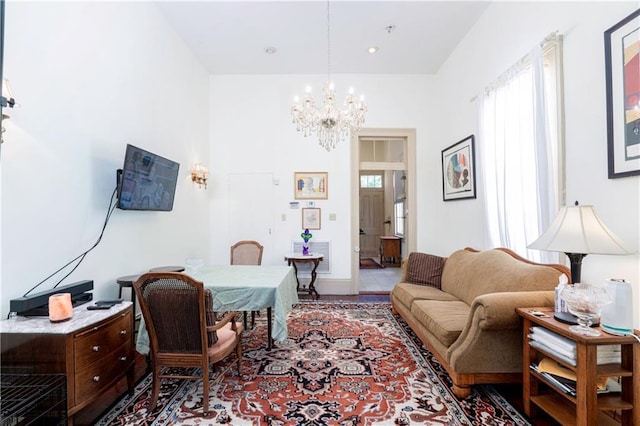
column 96, row 348
column 123, row 358
column 123, row 332
column 96, row 378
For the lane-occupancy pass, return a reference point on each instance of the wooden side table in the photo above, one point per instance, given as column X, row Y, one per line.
column 390, row 251
column 587, row 408
column 297, row 258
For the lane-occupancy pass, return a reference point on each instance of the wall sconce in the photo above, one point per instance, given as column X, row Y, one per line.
column 6, row 100
column 7, row 97
column 200, row 174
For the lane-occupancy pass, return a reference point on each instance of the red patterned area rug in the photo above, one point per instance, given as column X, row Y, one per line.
column 369, row 263
column 343, row 364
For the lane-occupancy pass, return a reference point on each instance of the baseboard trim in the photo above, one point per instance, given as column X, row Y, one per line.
column 330, row 286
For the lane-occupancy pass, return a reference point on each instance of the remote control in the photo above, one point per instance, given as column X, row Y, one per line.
column 98, row 307
column 109, row 302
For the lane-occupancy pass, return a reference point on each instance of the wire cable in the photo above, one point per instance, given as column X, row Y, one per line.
column 81, row 256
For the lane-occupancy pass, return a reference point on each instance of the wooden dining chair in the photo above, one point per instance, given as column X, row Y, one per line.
column 183, row 329
column 247, row 252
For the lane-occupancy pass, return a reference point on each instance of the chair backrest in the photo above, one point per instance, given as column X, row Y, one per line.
column 173, row 307
column 246, row 252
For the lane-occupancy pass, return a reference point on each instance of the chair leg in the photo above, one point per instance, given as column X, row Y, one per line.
column 156, row 388
column 239, row 354
column 205, row 389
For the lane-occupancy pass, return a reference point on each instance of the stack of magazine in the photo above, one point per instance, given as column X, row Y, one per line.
column 554, row 344
column 565, row 379
column 564, row 349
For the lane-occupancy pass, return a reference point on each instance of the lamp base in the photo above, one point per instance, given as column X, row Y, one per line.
column 569, row 318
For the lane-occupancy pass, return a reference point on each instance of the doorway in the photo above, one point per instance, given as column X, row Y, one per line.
column 383, row 177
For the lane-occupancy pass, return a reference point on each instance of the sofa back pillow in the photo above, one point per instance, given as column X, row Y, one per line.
column 469, row 273
column 424, row 269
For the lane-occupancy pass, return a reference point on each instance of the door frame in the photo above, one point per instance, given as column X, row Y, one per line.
column 409, row 136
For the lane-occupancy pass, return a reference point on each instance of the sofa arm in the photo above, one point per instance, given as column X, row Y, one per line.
column 498, row 310
column 491, row 339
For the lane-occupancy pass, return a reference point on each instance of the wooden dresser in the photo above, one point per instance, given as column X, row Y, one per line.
column 94, row 350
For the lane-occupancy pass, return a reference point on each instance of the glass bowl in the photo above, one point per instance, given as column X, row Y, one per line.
column 585, row 301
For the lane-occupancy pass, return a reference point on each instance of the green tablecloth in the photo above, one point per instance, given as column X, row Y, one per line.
column 245, row 288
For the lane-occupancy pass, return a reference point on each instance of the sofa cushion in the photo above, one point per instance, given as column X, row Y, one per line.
column 406, row 293
column 424, row 269
column 444, row 319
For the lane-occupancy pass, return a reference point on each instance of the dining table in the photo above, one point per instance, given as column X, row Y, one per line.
column 245, row 288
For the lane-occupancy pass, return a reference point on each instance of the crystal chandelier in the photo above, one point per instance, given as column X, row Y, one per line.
column 332, row 122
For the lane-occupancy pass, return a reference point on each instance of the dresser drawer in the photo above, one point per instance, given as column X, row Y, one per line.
column 91, row 380
column 93, row 345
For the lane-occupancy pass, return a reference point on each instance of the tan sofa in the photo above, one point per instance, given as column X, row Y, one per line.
column 469, row 323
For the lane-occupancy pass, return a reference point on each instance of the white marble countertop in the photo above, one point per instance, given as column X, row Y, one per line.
column 82, row 317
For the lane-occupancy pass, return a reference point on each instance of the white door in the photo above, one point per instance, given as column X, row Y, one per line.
column 371, row 221
column 251, row 211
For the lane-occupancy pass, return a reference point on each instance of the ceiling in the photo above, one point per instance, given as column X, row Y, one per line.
column 230, row 37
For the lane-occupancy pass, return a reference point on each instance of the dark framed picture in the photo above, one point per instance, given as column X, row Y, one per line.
column 459, row 170
column 622, row 76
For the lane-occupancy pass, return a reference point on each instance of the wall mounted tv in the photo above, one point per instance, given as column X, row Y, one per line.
column 147, row 181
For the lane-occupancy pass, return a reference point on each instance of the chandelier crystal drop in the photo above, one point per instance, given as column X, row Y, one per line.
column 332, row 122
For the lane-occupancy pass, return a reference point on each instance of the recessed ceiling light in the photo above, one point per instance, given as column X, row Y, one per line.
column 270, row 50
column 372, row 49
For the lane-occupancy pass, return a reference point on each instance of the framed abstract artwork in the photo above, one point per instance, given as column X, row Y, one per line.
column 622, row 76
column 310, row 185
column 311, row 218
column 459, row 170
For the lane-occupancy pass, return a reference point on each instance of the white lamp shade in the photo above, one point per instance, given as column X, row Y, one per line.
column 578, row 229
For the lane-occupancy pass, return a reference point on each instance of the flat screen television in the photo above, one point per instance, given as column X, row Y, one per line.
column 147, row 181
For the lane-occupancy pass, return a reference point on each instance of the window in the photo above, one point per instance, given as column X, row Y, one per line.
column 398, row 211
column 521, row 140
column 371, row 181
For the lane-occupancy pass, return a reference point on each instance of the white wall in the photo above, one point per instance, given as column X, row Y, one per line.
column 506, row 32
column 92, row 77
column 252, row 132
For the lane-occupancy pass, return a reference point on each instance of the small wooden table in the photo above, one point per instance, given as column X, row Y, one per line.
column 587, row 408
column 297, row 258
column 390, row 251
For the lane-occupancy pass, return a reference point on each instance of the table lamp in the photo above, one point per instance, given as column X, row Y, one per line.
column 578, row 231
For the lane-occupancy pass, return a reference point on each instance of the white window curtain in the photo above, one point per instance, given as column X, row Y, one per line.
column 520, row 149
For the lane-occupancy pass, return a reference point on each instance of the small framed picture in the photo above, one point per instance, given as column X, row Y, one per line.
column 459, row 171
column 310, row 185
column 311, row 218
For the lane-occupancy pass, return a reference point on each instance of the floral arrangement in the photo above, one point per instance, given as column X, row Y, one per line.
column 306, row 236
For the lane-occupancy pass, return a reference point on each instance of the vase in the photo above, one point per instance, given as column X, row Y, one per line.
column 305, row 249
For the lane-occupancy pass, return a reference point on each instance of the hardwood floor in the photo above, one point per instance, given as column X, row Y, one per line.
column 88, row 416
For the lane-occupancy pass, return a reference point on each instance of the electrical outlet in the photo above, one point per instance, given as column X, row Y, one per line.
column 332, row 216
column 283, row 217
